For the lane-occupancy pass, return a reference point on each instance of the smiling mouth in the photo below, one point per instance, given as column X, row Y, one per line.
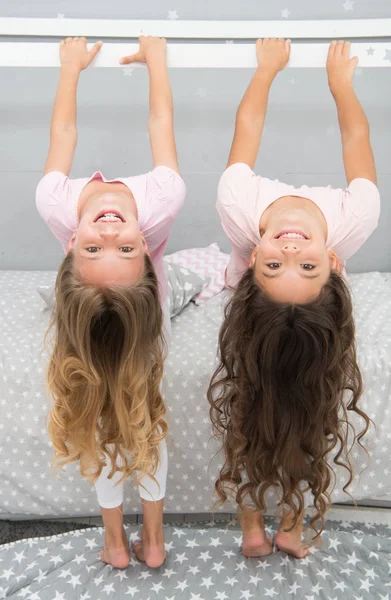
column 291, row 234
column 111, row 216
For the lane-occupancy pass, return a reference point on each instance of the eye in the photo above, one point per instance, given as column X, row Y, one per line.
column 274, row 266
column 308, row 267
column 126, row 249
column 92, row 249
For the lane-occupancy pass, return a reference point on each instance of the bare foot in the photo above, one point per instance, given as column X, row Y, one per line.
column 291, row 543
column 256, row 543
column 116, row 553
column 151, row 552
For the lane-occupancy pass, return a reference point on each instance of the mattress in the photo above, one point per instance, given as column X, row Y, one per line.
column 29, row 490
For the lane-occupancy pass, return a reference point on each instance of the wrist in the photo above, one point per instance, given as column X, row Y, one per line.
column 340, row 87
column 71, row 69
column 155, row 57
column 265, row 74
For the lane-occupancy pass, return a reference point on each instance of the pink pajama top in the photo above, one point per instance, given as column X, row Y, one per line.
column 159, row 196
column 351, row 214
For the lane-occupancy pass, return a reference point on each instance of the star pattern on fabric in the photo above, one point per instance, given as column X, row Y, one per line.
column 214, row 578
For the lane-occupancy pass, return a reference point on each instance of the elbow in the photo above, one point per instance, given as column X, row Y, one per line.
column 356, row 132
column 64, row 134
column 158, row 116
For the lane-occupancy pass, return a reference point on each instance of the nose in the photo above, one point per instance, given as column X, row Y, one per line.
column 109, row 234
column 290, row 248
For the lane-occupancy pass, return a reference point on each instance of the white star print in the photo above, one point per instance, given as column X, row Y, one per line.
column 207, row 582
column 181, row 557
column 215, row 542
column 221, row 596
column 170, row 572
column 156, row 587
column 293, row 588
column 179, row 532
column 19, row 556
column 352, row 559
column 122, row 575
column 108, row 588
column 285, row 13
column 132, row 591
column 217, row 567
column 371, row 573
column 270, row 592
column 172, row 15
column 348, row 5
column 205, row 556
column 365, row 585
column 182, row 585
column 7, row 574
column 340, row 586
column 74, row 580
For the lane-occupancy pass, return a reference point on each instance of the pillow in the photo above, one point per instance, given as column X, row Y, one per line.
column 206, row 262
column 47, row 294
column 183, row 285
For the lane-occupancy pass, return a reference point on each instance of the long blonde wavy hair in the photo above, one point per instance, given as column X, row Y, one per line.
column 104, row 374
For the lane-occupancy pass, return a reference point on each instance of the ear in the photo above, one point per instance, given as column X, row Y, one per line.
column 334, row 261
column 253, row 257
column 71, row 241
column 145, row 245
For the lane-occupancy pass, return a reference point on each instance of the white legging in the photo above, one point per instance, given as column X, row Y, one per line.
column 111, row 495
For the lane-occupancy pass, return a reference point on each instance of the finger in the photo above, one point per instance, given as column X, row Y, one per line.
column 94, row 50
column 125, row 60
column 339, row 48
column 288, row 47
column 354, row 61
column 83, row 39
column 332, row 47
column 75, row 39
column 346, row 50
column 69, row 39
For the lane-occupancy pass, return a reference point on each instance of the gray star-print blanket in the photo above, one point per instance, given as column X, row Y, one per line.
column 204, row 562
column 29, row 488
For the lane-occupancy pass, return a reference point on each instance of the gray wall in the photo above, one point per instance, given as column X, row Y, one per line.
column 301, row 142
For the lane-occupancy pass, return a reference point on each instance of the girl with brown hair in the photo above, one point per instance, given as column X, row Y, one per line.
column 288, row 376
column 111, row 321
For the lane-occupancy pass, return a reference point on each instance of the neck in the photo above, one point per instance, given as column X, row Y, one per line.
column 289, row 203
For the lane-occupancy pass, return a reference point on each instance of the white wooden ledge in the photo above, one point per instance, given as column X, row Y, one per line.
column 187, row 55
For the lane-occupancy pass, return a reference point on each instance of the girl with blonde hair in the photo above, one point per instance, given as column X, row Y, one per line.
column 111, row 321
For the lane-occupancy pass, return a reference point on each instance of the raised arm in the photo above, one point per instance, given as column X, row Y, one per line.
column 356, row 146
column 272, row 55
column 161, row 111
column 74, row 57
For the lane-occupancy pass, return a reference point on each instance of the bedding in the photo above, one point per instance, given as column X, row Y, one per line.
column 204, row 562
column 183, row 285
column 27, row 486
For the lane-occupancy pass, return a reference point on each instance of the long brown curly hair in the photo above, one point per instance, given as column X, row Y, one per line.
column 104, row 374
column 277, row 396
